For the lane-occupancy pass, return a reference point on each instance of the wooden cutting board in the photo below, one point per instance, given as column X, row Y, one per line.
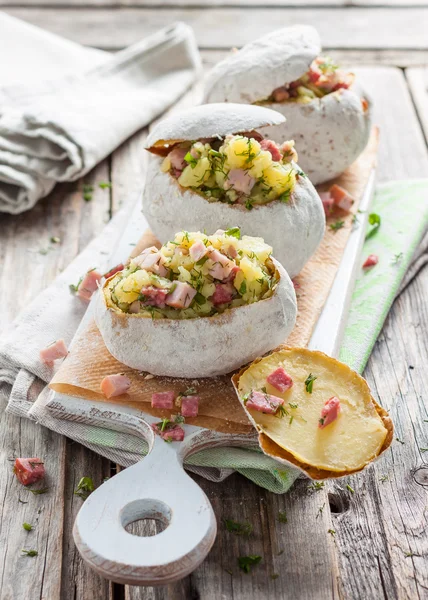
column 158, row 487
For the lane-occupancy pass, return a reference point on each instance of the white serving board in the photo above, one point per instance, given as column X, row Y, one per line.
column 158, row 487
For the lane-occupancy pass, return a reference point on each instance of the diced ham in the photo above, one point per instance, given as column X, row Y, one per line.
column 240, row 181
column 232, row 252
column 224, row 293
column 341, row 197
column 135, row 307
column 327, row 202
column 176, row 156
column 29, row 470
column 280, row 380
column 371, row 261
column 163, row 400
column 222, row 267
column 154, row 296
column 343, row 81
column 181, row 296
column 113, row 271
column 56, row 350
column 115, row 385
column 288, row 151
column 329, row 412
column 280, row 94
column 175, row 433
column 190, row 406
column 314, row 73
column 148, row 258
column 89, row 284
column 296, row 285
column 265, row 403
column 198, row 250
column 273, row 148
column 232, row 274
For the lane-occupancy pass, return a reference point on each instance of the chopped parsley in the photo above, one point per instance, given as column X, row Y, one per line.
column 321, row 508
column 84, row 488
column 234, row 232
column 55, row 239
column 238, row 528
column 30, row 552
column 247, row 562
column 191, row 160
column 87, row 192
column 337, row 225
column 321, row 421
column 332, row 532
column 400, row 441
column 374, row 220
column 348, row 487
column 39, row 491
column 317, row 485
column 282, row 516
column 291, row 419
column 243, row 288
column 74, row 288
column 105, row 185
column 309, row 383
column 27, row 526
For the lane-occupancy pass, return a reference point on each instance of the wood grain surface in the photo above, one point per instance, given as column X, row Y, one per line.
column 367, row 543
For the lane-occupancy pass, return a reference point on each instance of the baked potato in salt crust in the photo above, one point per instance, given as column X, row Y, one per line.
column 214, row 170
column 200, row 306
column 328, row 114
column 328, row 424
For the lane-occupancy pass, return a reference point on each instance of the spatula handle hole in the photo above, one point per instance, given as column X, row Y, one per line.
column 146, row 517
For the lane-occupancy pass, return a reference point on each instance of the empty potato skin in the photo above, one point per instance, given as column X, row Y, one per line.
column 294, row 229
column 201, row 347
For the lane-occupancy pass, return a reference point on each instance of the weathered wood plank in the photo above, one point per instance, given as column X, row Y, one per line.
column 418, row 83
column 236, row 3
column 355, row 27
column 382, row 540
column 24, row 271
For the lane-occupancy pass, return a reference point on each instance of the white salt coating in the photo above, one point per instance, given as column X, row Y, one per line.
column 213, row 120
column 294, row 229
column 201, row 347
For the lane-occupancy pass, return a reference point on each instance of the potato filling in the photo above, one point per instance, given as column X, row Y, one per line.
column 324, row 76
column 194, row 275
column 239, row 169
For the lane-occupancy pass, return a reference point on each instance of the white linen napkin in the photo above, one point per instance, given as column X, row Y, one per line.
column 58, row 130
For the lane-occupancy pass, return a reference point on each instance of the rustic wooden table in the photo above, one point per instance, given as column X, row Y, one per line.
column 380, row 545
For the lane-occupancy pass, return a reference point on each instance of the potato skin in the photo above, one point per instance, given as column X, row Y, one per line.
column 293, row 229
column 203, row 347
column 330, row 132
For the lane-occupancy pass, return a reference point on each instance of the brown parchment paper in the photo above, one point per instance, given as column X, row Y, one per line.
column 89, row 361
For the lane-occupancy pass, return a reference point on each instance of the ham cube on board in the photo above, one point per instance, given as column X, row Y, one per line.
column 371, row 261
column 190, row 406
column 89, row 285
column 163, row 400
column 341, row 197
column 221, row 267
column 115, row 385
column 29, row 470
column 329, row 412
column 173, row 434
column 280, row 380
column 265, row 403
column 327, row 202
column 56, row 350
